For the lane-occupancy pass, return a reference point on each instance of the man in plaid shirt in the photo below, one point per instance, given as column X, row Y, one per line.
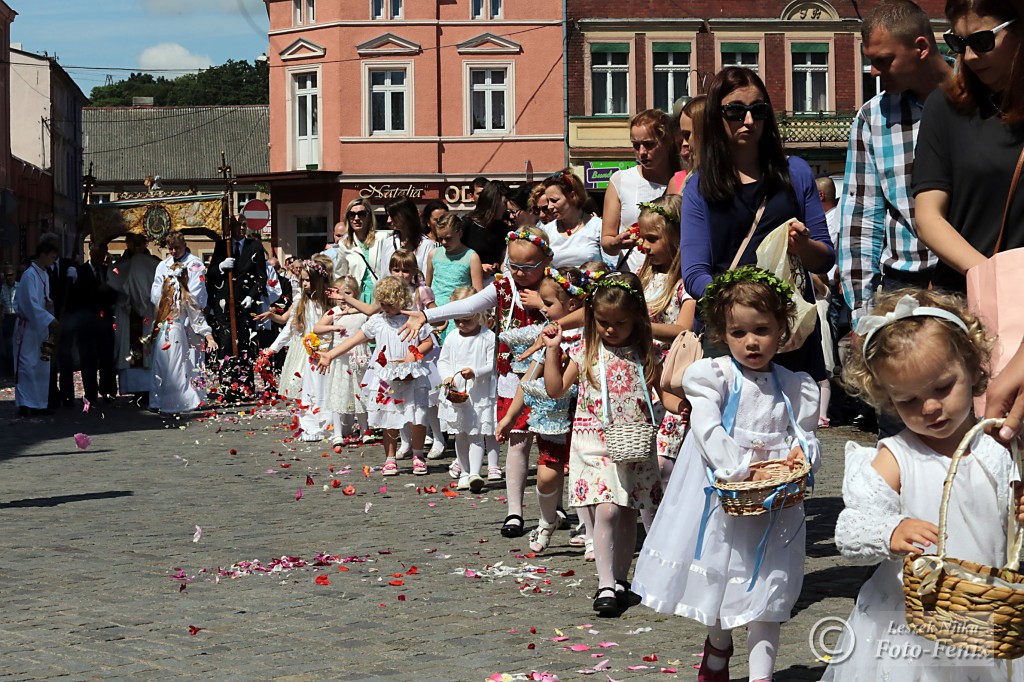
column 878, row 244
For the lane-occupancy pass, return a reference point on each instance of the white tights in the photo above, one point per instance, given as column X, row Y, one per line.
column 614, row 542
column 469, row 451
column 517, row 466
column 762, row 647
column 343, row 423
column 433, row 423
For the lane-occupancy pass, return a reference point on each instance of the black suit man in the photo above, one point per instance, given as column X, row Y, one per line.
column 243, row 261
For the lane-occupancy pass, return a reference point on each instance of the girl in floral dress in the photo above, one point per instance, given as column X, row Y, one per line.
column 615, row 368
column 518, row 305
column 671, row 310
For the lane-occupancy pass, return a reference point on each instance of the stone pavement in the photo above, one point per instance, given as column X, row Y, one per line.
column 103, row 575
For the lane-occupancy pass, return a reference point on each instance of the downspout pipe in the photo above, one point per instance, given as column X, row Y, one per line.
column 565, row 83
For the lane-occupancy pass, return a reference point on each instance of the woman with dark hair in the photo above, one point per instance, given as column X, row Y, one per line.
column 407, row 233
column 652, row 133
column 521, row 207
column 484, row 229
column 429, row 216
column 970, row 140
column 746, row 186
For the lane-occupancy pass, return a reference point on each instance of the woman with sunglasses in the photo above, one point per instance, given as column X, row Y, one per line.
column 970, row 140
column 747, row 187
column 356, row 239
column 652, row 133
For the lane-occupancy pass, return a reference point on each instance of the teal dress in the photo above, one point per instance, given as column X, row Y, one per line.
column 366, row 286
column 450, row 274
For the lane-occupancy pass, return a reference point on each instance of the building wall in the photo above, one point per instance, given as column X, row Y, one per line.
column 30, row 108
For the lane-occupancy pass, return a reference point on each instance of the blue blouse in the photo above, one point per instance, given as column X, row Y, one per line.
column 710, row 234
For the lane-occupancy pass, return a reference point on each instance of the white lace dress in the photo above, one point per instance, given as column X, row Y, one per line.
column 978, row 509
column 717, row 586
column 344, row 395
column 395, row 393
column 474, row 417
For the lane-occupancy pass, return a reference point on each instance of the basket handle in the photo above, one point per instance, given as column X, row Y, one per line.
column 947, row 486
column 1013, row 552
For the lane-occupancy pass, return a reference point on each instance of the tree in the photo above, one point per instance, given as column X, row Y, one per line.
column 234, row 82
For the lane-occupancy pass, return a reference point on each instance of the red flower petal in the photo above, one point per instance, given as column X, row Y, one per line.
column 323, row 580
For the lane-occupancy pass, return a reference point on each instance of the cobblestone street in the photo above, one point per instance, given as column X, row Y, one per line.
column 106, row 576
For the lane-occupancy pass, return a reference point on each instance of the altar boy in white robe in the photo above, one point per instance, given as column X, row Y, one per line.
column 35, row 323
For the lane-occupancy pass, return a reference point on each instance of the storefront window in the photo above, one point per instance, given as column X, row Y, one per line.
column 311, row 235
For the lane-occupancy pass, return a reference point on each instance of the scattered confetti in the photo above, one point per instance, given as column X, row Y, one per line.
column 198, row 534
column 82, row 441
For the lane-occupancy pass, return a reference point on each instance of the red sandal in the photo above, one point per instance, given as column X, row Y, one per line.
column 705, row 673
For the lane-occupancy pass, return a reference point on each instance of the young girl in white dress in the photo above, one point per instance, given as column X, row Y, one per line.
column 344, row 395
column 467, row 365
column 397, row 381
column 744, row 409
column 615, row 370
column 301, row 377
column 179, row 385
column 924, row 357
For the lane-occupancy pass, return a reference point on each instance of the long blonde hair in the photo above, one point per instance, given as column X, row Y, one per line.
column 671, row 203
column 170, row 303
column 371, row 224
column 319, row 269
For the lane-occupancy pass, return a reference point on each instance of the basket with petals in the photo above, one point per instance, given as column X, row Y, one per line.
column 958, row 603
column 750, row 498
column 453, row 394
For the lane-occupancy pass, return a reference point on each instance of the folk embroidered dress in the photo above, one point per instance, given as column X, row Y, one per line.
column 720, row 584
column 395, row 393
column 344, row 394
column 976, row 531
column 593, row 477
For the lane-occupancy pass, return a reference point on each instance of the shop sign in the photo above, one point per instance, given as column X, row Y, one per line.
column 596, row 174
column 391, row 192
column 458, row 195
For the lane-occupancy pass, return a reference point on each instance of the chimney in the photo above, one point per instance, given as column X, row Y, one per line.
column 142, row 101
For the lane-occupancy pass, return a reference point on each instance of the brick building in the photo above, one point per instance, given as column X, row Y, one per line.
column 389, row 98
column 626, row 57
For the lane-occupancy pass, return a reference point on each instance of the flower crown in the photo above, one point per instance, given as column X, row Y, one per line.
column 313, row 265
column 660, row 210
column 539, row 242
column 562, row 281
column 615, row 279
column 748, row 273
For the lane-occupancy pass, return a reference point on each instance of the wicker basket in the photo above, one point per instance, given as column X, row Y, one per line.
column 454, row 395
column 959, row 603
column 747, row 498
column 630, row 441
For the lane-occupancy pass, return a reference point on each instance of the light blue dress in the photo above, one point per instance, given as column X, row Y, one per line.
column 450, row 274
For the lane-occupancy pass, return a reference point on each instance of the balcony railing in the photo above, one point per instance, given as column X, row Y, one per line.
column 822, row 127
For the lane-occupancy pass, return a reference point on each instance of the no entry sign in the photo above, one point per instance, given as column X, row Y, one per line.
column 256, row 214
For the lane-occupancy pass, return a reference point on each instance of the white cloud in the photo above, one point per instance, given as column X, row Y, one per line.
column 172, row 56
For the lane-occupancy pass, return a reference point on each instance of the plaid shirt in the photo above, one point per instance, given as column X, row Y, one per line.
column 877, row 210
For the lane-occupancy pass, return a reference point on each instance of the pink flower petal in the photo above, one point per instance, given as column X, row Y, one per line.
column 578, row 647
column 298, row 495
column 82, row 441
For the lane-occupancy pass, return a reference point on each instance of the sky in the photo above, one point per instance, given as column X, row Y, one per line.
column 139, row 34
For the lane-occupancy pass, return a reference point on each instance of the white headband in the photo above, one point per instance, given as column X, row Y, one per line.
column 906, row 307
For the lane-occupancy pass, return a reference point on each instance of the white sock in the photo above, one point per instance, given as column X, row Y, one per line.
column 606, row 519
column 336, row 421
column 491, row 445
column 763, row 647
column 434, row 422
column 826, row 396
column 462, row 452
column 548, row 506
column 476, row 454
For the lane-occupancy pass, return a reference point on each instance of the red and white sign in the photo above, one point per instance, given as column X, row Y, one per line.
column 256, row 214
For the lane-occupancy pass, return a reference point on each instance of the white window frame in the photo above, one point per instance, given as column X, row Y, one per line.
column 607, row 70
column 806, row 71
column 387, row 10
column 672, row 68
column 303, row 12
column 242, row 198
column 487, row 9
column 866, row 71
column 292, row 114
column 410, row 90
column 755, row 67
column 468, row 67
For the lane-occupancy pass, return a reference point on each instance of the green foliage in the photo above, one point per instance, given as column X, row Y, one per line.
column 234, row 82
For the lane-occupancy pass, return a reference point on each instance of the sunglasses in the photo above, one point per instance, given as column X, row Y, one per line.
column 357, row 214
column 524, row 268
column 982, row 41
column 737, row 111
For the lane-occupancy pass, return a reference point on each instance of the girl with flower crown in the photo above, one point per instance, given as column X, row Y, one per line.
column 178, row 324
column 301, row 379
column 615, row 369
column 729, row 572
column 518, row 305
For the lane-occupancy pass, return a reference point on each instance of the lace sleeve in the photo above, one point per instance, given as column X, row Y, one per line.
column 872, row 510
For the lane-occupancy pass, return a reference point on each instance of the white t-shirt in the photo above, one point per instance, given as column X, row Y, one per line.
column 634, row 189
column 581, row 246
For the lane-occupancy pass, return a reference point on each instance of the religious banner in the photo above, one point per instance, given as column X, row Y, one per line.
column 154, row 216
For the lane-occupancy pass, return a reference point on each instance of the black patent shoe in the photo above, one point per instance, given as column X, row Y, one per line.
column 626, row 596
column 606, row 603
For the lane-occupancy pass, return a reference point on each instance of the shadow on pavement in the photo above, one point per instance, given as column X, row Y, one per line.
column 822, row 513
column 799, row 672
column 842, row 582
column 64, row 499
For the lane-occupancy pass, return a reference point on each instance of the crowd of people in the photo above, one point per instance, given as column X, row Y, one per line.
column 540, row 319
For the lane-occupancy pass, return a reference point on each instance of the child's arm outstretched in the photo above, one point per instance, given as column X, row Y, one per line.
column 368, row 309
column 343, row 347
column 477, row 303
column 326, row 324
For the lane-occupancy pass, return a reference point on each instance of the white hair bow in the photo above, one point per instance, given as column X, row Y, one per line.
column 905, row 307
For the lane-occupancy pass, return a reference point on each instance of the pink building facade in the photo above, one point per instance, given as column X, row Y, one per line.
column 389, row 98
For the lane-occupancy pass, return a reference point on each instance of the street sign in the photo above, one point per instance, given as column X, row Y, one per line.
column 256, row 214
